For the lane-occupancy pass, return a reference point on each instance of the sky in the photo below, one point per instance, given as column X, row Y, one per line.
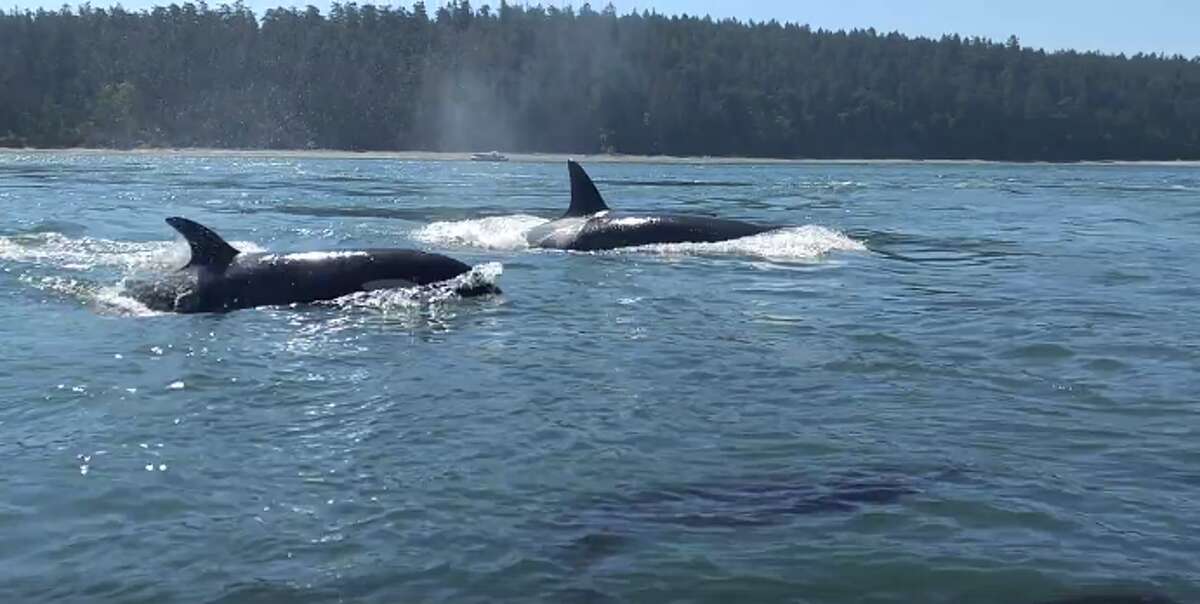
column 1129, row 26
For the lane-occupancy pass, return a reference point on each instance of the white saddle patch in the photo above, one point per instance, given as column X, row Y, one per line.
column 387, row 284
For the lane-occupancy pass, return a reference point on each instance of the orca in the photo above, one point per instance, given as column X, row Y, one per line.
column 219, row 278
column 590, row 225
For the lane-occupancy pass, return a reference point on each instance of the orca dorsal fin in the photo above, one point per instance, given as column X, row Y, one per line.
column 585, row 198
column 208, row 249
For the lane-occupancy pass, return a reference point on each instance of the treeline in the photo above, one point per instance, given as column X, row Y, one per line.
column 559, row 80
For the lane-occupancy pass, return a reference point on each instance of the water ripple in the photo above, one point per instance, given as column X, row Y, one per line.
column 991, row 403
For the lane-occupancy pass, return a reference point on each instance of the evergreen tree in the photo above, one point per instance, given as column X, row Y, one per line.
column 464, row 77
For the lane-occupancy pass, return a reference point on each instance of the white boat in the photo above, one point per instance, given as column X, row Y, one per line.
column 490, row 156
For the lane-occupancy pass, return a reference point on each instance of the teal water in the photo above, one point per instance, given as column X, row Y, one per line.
column 947, row 383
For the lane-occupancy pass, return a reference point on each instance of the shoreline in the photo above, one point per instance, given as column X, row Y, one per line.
column 205, row 152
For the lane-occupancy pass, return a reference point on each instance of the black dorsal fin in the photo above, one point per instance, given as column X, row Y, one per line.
column 585, row 198
column 208, row 249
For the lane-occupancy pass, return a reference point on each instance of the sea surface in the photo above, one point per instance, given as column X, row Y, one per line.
column 945, row 383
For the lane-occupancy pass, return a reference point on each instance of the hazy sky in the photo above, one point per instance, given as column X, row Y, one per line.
column 1110, row 25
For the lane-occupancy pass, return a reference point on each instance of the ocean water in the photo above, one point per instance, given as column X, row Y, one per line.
column 944, row 383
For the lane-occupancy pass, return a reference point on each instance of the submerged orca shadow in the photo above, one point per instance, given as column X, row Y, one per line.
column 920, row 249
column 606, row 524
column 753, row 501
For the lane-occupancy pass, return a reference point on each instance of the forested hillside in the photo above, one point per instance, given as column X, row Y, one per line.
column 546, row 79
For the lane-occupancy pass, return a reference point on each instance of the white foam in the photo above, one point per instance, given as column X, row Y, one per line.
column 115, row 299
column 791, row 244
column 493, row 233
column 61, row 285
column 86, row 253
column 406, row 298
column 831, row 185
column 111, row 299
column 58, row 252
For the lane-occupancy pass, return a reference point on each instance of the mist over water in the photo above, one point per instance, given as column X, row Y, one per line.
column 942, row 383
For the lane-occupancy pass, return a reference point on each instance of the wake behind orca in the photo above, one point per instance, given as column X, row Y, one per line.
column 219, row 278
column 589, row 225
